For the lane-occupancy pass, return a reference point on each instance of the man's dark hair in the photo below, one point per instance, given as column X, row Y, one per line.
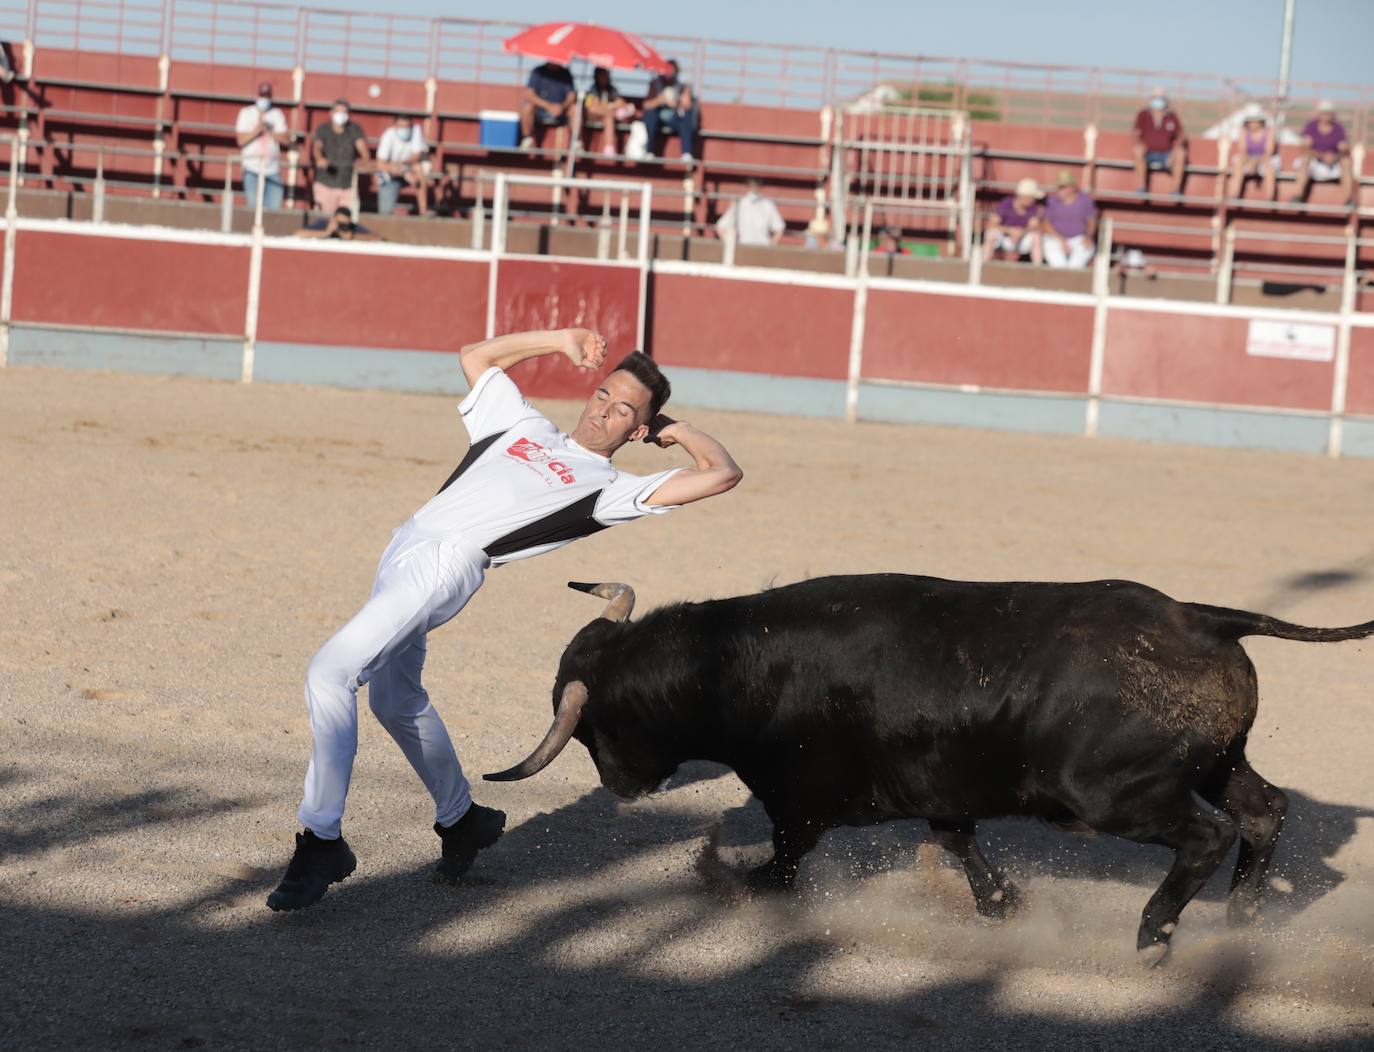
column 646, row 371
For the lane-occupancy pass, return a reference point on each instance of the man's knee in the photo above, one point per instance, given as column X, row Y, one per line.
column 327, row 676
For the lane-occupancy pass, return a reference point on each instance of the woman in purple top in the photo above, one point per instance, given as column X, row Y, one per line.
column 1253, row 155
column 1327, row 159
column 1014, row 227
column 1069, row 234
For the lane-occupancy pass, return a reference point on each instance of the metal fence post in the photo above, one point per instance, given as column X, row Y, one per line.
column 1102, row 273
column 498, row 245
column 11, row 230
column 1340, row 381
column 646, row 211
column 226, row 205
column 98, row 198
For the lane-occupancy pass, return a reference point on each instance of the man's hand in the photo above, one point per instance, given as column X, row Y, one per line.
column 660, row 431
column 584, row 348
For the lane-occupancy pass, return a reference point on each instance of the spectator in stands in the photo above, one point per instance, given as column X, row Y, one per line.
column 890, row 242
column 261, row 133
column 401, row 162
column 603, row 107
column 340, row 227
column 6, row 66
column 1160, row 145
column 548, row 99
column 1069, row 233
column 1014, row 228
column 338, row 146
column 670, row 105
column 1327, row 153
column 753, row 219
column 1254, row 154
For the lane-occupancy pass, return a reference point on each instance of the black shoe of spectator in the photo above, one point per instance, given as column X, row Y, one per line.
column 316, row 864
column 479, row 828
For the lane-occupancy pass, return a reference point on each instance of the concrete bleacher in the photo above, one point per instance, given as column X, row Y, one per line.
column 153, row 114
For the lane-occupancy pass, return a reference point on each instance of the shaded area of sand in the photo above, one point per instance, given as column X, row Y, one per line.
column 172, row 551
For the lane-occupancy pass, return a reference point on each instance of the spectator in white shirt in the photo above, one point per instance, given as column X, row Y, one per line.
column 753, row 219
column 400, row 161
column 261, row 133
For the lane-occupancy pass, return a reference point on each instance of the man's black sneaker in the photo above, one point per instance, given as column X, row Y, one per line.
column 478, row 828
column 316, row 864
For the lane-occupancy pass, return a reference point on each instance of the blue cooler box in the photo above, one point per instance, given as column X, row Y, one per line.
column 500, row 128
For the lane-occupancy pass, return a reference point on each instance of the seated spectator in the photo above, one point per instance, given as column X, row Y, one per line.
column 341, row 227
column 1069, row 229
column 603, row 107
column 890, row 242
column 818, row 233
column 1326, row 157
column 7, row 73
column 337, row 148
column 670, row 105
column 753, row 219
column 547, row 101
column 401, row 162
column 1014, row 228
column 261, row 133
column 1160, row 145
column 1254, row 155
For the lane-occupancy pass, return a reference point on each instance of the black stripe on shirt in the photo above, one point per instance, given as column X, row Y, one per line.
column 565, row 524
column 470, row 457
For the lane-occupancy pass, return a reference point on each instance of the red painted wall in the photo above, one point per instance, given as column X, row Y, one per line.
column 371, row 301
column 537, row 295
column 752, row 327
column 965, row 340
column 73, row 279
column 1359, row 395
column 1202, row 359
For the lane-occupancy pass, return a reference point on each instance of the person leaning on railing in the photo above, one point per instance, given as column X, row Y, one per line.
column 261, row 133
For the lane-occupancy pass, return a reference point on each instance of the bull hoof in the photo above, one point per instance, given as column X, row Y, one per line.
column 1001, row 905
column 1152, row 956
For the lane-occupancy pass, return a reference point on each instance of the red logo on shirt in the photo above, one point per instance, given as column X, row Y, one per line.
column 534, row 453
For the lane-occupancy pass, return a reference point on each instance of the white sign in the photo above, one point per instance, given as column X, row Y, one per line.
column 1286, row 339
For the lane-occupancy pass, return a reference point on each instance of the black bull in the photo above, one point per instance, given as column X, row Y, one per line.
column 854, row 700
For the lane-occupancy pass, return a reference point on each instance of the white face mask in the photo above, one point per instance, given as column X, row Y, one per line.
column 1158, row 103
column 404, row 133
column 264, row 103
column 339, row 118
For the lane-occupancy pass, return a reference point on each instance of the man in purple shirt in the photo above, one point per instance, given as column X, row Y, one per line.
column 1014, row 227
column 1327, row 157
column 1069, row 232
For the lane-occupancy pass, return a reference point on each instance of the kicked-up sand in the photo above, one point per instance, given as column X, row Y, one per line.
column 172, row 551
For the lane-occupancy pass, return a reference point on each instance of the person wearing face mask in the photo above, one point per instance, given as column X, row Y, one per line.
column 400, row 162
column 338, row 148
column 753, row 219
column 261, row 133
column 1159, row 144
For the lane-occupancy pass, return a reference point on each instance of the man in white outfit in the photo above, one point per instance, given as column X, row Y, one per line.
column 522, row 489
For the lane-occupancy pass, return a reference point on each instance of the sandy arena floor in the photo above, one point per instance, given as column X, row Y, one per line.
column 172, row 551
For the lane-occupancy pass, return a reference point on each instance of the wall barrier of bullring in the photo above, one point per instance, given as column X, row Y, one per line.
column 254, row 307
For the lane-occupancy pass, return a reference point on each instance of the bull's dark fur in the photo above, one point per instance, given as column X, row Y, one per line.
column 855, row 700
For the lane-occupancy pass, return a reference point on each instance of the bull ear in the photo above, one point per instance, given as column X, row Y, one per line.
column 621, row 596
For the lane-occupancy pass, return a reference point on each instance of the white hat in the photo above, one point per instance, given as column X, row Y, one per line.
column 1325, row 106
column 1254, row 112
column 1028, row 187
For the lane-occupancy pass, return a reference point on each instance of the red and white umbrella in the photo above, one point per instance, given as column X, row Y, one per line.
column 562, row 42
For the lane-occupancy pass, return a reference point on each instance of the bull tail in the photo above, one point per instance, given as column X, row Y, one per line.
column 1231, row 624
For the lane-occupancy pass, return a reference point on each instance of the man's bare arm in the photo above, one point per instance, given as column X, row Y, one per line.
column 584, row 348
column 715, row 471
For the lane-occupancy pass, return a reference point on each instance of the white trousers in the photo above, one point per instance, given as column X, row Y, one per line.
column 421, row 583
column 1080, row 253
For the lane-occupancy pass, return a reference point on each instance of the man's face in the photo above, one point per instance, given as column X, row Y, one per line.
column 1068, row 191
column 671, row 76
column 616, row 413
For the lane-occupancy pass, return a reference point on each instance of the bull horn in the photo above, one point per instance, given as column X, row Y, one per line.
column 564, row 723
column 621, row 596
